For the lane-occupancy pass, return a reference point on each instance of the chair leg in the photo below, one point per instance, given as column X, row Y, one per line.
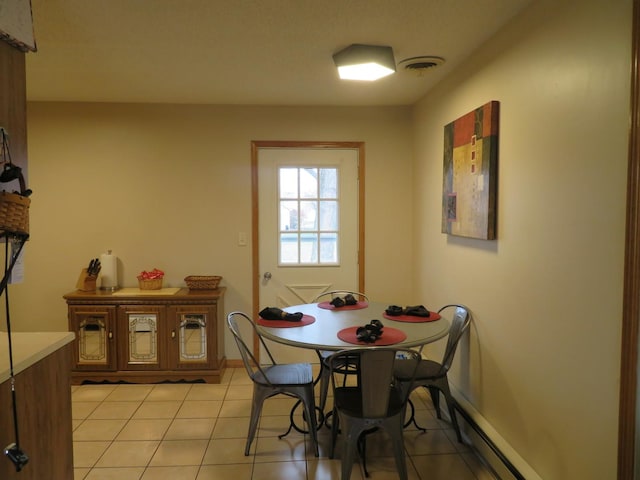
column 334, row 432
column 256, row 409
column 454, row 420
column 309, row 408
column 435, row 399
column 324, row 385
column 442, row 385
column 451, row 407
column 349, row 449
column 395, row 431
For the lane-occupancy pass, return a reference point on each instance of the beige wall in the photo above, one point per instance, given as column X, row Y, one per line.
column 541, row 365
column 169, row 186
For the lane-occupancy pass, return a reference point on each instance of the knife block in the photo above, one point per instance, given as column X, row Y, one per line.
column 86, row 282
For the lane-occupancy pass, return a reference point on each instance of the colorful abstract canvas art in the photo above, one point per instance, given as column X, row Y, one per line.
column 470, row 166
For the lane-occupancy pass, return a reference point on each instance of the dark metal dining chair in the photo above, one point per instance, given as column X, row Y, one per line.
column 291, row 379
column 433, row 375
column 324, row 354
column 375, row 401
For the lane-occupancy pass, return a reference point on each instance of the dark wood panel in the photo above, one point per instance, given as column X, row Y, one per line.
column 43, row 395
column 13, row 102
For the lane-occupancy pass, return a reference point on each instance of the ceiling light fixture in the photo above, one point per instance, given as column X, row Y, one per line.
column 365, row 62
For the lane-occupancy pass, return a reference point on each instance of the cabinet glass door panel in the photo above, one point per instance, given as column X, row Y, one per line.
column 143, row 338
column 92, row 341
column 193, row 337
column 93, row 326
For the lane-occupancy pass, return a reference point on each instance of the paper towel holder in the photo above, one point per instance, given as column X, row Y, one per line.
column 109, row 272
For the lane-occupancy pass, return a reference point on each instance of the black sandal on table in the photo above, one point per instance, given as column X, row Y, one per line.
column 393, row 310
column 274, row 313
column 350, row 300
column 337, row 302
column 417, row 311
column 370, row 332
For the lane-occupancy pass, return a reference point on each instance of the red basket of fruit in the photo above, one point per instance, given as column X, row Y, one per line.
column 151, row 280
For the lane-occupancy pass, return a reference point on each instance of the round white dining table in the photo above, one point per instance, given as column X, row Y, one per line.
column 322, row 333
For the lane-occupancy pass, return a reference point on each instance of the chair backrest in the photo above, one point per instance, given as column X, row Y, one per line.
column 459, row 324
column 375, row 376
column 234, row 320
column 341, row 293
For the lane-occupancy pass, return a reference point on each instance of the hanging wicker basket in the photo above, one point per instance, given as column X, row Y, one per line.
column 14, row 213
column 14, row 206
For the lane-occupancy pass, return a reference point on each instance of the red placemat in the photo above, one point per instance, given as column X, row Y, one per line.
column 433, row 316
column 389, row 336
column 306, row 320
column 357, row 306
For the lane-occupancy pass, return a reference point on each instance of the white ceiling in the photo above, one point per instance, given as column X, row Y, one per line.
column 246, row 52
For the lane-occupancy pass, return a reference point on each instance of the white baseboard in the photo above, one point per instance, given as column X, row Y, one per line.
column 494, row 449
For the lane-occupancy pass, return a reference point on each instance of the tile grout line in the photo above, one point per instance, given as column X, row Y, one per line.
column 125, row 424
column 224, row 398
column 110, row 442
column 165, row 432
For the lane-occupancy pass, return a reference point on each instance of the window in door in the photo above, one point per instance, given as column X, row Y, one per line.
column 308, row 216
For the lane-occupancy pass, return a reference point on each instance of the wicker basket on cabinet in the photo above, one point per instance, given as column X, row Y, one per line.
column 202, row 282
column 150, row 284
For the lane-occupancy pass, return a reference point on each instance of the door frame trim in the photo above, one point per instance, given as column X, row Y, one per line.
column 255, row 210
column 628, row 407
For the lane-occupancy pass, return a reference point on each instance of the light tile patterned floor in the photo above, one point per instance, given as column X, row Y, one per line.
column 198, row 432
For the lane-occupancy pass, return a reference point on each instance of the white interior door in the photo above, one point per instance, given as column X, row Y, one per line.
column 308, row 228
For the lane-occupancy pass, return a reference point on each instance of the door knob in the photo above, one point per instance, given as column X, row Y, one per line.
column 267, row 275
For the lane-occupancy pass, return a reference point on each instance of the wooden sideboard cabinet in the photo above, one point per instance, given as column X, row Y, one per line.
column 147, row 338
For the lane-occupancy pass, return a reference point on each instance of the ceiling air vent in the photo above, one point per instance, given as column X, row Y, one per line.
column 419, row 65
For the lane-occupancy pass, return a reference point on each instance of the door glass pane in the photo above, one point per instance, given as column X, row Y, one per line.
column 193, row 337
column 289, row 215
column 328, row 215
column 143, row 338
column 288, row 183
column 92, row 341
column 308, row 216
column 328, row 183
column 329, row 248
column 309, row 248
column 308, row 183
column 289, row 248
